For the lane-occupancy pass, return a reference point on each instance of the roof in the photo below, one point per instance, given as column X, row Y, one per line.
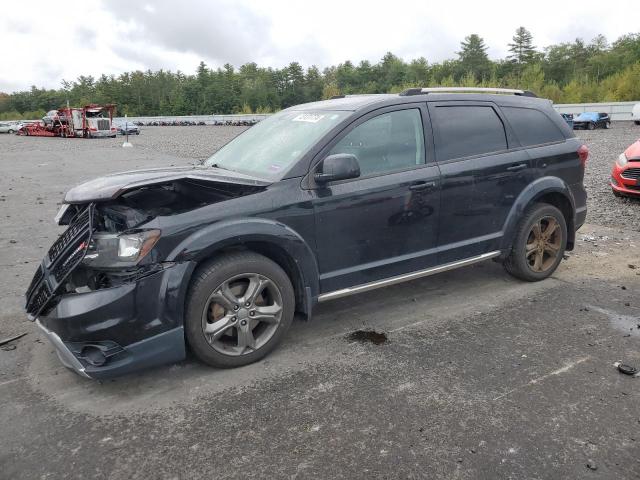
column 348, row 103
column 359, row 102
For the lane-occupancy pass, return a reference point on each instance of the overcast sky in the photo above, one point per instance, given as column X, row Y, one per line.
column 44, row 42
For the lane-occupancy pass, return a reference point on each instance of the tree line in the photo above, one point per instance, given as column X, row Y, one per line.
column 570, row 72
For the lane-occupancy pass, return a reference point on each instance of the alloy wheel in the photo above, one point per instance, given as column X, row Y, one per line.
column 242, row 314
column 543, row 244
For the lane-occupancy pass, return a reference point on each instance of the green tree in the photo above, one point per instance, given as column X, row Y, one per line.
column 473, row 57
column 522, row 49
column 577, row 71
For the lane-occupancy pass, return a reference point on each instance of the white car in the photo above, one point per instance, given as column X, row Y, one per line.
column 9, row 127
column 635, row 114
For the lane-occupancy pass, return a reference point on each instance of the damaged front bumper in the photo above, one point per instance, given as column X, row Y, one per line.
column 114, row 331
column 126, row 321
column 64, row 354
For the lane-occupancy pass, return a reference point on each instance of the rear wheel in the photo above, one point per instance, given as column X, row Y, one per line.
column 636, row 122
column 539, row 244
column 238, row 309
column 591, row 126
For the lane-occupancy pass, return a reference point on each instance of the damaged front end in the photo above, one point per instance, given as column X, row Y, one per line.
column 104, row 294
column 97, row 301
column 90, row 255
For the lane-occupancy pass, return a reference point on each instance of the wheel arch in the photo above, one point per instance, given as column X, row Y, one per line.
column 272, row 239
column 551, row 190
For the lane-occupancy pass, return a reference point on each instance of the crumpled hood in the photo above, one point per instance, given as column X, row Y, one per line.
column 112, row 186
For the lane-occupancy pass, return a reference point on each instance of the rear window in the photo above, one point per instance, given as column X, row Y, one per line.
column 465, row 130
column 532, row 127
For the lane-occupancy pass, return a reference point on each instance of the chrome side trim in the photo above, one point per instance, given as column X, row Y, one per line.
column 66, row 357
column 411, row 256
column 406, row 277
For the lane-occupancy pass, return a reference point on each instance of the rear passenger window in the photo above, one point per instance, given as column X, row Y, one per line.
column 532, row 127
column 466, row 130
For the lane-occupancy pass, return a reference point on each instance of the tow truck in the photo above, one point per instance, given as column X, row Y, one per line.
column 89, row 121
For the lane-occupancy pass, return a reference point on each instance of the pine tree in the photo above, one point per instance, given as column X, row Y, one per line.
column 522, row 49
column 473, row 56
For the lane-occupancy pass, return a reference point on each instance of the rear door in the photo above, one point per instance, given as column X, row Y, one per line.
column 383, row 223
column 483, row 170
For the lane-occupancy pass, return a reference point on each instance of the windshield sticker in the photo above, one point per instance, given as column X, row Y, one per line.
column 308, row 117
column 275, row 167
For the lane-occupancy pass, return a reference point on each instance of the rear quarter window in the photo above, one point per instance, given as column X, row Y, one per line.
column 466, row 130
column 532, row 127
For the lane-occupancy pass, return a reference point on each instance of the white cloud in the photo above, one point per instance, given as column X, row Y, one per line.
column 47, row 42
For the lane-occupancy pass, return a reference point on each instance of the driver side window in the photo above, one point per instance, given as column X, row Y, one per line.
column 391, row 141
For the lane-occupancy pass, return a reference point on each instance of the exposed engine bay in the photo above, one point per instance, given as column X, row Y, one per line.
column 107, row 245
column 140, row 205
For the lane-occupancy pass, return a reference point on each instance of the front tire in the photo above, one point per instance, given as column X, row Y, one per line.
column 239, row 308
column 539, row 245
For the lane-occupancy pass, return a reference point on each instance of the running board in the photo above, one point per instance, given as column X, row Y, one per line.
column 406, row 277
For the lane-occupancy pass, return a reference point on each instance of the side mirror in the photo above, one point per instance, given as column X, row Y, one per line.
column 340, row 166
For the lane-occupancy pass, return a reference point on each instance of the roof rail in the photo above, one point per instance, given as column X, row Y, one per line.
column 511, row 91
column 334, row 97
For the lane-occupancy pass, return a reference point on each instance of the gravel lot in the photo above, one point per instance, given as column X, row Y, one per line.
column 605, row 146
column 507, row 380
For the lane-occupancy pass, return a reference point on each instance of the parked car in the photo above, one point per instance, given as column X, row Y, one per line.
column 54, row 116
column 625, row 176
column 568, row 117
column 316, row 202
column 591, row 121
column 635, row 114
column 128, row 127
column 10, row 127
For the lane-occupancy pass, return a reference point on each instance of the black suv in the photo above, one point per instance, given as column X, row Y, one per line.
column 316, row 202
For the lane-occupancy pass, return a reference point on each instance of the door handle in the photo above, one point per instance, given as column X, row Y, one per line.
column 517, row 168
column 423, row 186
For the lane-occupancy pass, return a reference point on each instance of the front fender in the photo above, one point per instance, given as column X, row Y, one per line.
column 205, row 242
column 529, row 195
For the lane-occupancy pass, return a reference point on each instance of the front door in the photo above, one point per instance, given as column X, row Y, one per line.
column 383, row 223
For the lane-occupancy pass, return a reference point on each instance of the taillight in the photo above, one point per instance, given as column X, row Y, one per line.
column 583, row 153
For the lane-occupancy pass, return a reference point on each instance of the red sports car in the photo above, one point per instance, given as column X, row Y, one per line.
column 625, row 176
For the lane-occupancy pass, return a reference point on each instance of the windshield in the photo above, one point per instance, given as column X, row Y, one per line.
column 273, row 145
column 587, row 116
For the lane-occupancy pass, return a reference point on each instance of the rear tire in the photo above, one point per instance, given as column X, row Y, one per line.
column 226, row 324
column 636, row 122
column 539, row 244
column 591, row 126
